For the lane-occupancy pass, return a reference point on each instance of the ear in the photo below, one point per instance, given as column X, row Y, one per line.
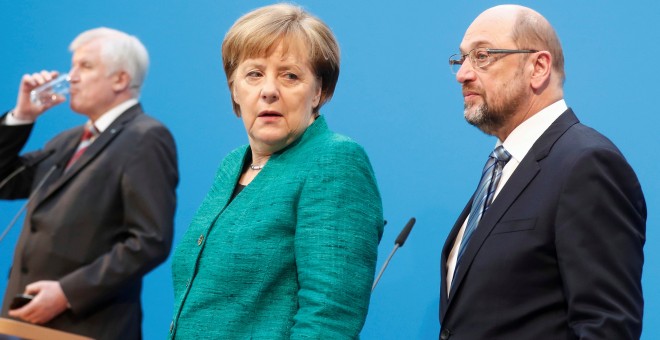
column 542, row 69
column 317, row 96
column 234, row 94
column 122, row 81
column 234, row 99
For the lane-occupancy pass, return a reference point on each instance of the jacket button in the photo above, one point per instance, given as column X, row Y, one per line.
column 444, row 335
column 200, row 240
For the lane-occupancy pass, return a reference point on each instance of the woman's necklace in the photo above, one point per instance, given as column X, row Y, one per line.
column 256, row 167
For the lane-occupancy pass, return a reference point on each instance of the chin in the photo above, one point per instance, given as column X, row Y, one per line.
column 271, row 140
column 473, row 115
column 77, row 108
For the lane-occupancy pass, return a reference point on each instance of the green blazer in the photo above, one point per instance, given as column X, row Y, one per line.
column 293, row 255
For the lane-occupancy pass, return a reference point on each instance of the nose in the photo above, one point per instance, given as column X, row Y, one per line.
column 73, row 75
column 465, row 73
column 269, row 90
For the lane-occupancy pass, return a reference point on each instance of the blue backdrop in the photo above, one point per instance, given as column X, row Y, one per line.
column 396, row 96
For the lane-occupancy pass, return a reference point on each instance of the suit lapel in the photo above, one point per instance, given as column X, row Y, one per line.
column 218, row 198
column 449, row 244
column 62, row 155
column 92, row 151
column 522, row 176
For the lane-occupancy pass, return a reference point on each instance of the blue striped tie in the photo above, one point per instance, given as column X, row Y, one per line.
column 483, row 197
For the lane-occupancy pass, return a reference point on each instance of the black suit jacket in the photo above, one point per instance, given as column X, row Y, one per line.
column 559, row 253
column 99, row 227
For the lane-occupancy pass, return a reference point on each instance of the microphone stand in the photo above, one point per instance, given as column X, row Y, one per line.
column 400, row 240
column 22, row 168
column 11, row 175
column 382, row 270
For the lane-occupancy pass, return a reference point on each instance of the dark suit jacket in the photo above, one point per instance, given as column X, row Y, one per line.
column 559, row 253
column 100, row 226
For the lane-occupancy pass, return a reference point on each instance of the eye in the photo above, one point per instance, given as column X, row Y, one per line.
column 253, row 74
column 481, row 56
column 291, row 76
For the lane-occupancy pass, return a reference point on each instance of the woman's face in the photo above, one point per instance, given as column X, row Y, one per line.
column 276, row 95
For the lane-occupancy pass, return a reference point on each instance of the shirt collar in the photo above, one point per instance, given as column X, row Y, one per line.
column 107, row 118
column 523, row 137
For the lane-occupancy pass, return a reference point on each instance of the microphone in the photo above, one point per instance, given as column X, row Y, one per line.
column 28, row 164
column 398, row 243
column 41, row 183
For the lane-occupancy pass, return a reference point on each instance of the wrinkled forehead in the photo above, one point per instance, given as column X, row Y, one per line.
column 489, row 30
column 286, row 45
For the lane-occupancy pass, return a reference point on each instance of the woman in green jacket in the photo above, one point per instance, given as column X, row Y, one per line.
column 285, row 243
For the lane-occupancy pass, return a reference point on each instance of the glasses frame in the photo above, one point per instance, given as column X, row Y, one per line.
column 454, row 60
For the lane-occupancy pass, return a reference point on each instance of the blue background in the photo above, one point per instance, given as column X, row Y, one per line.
column 395, row 96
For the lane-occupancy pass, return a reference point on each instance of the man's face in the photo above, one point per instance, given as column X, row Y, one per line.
column 493, row 94
column 93, row 90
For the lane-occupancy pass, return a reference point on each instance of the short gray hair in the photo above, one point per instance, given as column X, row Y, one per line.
column 119, row 52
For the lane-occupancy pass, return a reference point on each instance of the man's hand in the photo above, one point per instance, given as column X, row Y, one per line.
column 49, row 301
column 25, row 109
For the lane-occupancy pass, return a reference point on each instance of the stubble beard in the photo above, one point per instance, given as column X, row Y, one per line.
column 482, row 117
column 492, row 118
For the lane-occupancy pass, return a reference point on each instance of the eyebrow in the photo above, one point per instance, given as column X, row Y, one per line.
column 476, row 44
column 285, row 65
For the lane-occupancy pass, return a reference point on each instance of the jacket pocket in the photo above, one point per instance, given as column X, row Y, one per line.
column 512, row 226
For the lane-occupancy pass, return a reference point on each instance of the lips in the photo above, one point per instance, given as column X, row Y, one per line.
column 469, row 93
column 266, row 114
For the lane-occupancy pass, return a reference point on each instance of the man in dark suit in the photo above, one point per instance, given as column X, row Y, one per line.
column 104, row 215
column 557, row 252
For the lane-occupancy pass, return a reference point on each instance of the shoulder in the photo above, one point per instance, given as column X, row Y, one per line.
column 330, row 146
column 64, row 137
column 581, row 141
column 144, row 123
column 336, row 160
column 587, row 158
column 144, row 131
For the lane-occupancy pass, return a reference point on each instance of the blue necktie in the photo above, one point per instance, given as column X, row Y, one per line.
column 484, row 194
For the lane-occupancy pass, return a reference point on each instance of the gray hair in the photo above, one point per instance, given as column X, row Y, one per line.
column 119, row 52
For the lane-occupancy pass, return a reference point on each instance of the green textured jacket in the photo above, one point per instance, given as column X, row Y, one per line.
column 294, row 253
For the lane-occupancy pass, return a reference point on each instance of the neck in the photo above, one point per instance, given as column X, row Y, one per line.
column 259, row 158
column 100, row 109
column 258, row 161
column 534, row 106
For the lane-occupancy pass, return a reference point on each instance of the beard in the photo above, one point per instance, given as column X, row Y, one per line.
column 492, row 115
column 484, row 118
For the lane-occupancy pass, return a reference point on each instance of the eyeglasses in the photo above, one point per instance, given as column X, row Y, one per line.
column 480, row 57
